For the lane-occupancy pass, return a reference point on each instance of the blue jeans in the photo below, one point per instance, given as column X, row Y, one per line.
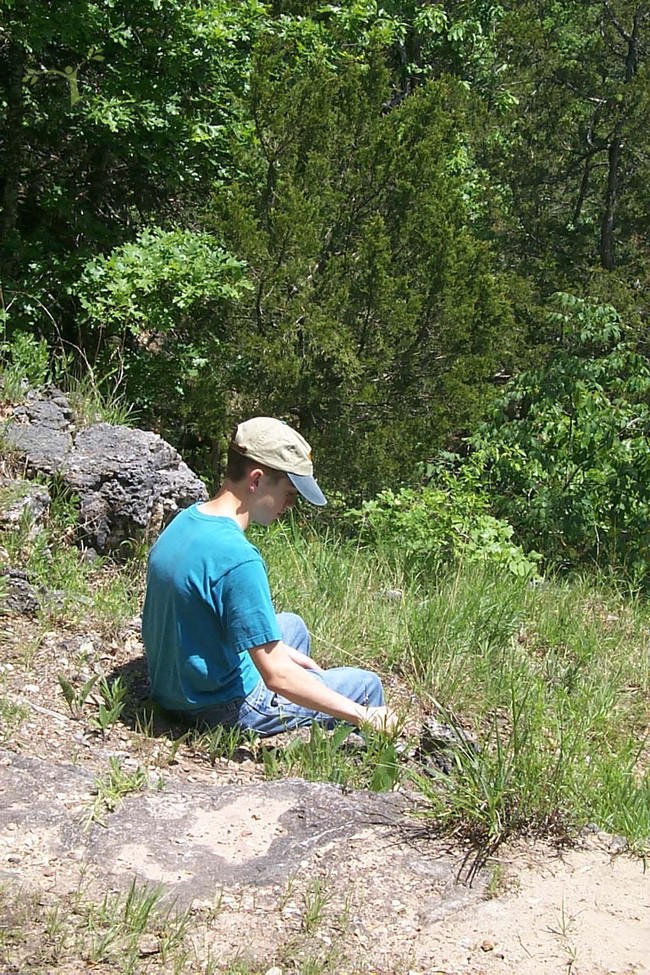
column 267, row 713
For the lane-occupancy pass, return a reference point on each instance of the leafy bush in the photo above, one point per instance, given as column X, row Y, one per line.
column 24, row 365
column 442, row 523
column 148, row 287
column 566, row 454
column 158, row 310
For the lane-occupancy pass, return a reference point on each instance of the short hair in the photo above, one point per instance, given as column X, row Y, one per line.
column 238, row 466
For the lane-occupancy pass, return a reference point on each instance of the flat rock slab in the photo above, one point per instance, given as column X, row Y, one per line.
column 194, row 839
column 199, row 838
column 255, row 861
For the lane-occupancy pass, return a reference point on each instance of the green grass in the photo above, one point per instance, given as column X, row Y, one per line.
column 329, row 756
column 221, row 743
column 111, row 787
column 553, row 678
column 95, row 400
column 140, row 931
column 117, row 932
column 11, row 715
column 75, row 588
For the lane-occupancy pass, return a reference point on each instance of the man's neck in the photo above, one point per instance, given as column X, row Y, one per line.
column 227, row 503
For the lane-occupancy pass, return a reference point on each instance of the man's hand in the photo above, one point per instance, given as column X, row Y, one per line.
column 380, row 719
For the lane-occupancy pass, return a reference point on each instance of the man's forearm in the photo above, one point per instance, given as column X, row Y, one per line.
column 284, row 676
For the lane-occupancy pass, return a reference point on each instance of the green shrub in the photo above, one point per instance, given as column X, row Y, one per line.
column 566, row 455
column 442, row 523
column 157, row 310
column 24, row 362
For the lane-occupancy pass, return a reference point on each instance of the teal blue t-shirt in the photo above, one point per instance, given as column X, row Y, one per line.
column 208, row 602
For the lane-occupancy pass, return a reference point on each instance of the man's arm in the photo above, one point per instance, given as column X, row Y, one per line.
column 283, row 675
column 302, row 659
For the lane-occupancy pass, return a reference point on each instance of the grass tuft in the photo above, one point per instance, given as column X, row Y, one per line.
column 348, row 760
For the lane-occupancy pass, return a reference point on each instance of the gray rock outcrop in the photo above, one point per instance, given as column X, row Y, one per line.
column 129, row 482
column 40, row 431
column 18, row 594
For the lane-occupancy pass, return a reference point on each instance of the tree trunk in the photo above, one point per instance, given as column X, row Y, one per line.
column 615, row 148
column 607, row 257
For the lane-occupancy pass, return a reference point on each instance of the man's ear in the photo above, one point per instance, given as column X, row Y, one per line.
column 254, row 478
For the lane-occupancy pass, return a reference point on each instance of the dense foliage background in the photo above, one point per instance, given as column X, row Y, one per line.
column 418, row 231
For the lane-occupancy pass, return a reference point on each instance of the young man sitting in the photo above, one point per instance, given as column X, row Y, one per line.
column 217, row 652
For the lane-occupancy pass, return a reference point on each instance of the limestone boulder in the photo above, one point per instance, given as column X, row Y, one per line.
column 129, row 483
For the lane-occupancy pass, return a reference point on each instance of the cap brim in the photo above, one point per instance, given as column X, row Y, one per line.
column 308, row 488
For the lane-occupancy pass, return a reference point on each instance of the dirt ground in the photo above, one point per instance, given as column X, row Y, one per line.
column 266, row 865
column 263, row 857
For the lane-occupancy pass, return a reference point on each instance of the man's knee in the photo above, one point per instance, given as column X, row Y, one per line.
column 294, row 631
column 362, row 686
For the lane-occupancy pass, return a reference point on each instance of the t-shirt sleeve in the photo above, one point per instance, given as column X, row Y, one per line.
column 247, row 608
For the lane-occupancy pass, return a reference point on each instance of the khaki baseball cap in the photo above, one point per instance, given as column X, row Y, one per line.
column 277, row 445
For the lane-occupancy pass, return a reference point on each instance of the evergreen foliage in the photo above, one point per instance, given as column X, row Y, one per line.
column 376, row 316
